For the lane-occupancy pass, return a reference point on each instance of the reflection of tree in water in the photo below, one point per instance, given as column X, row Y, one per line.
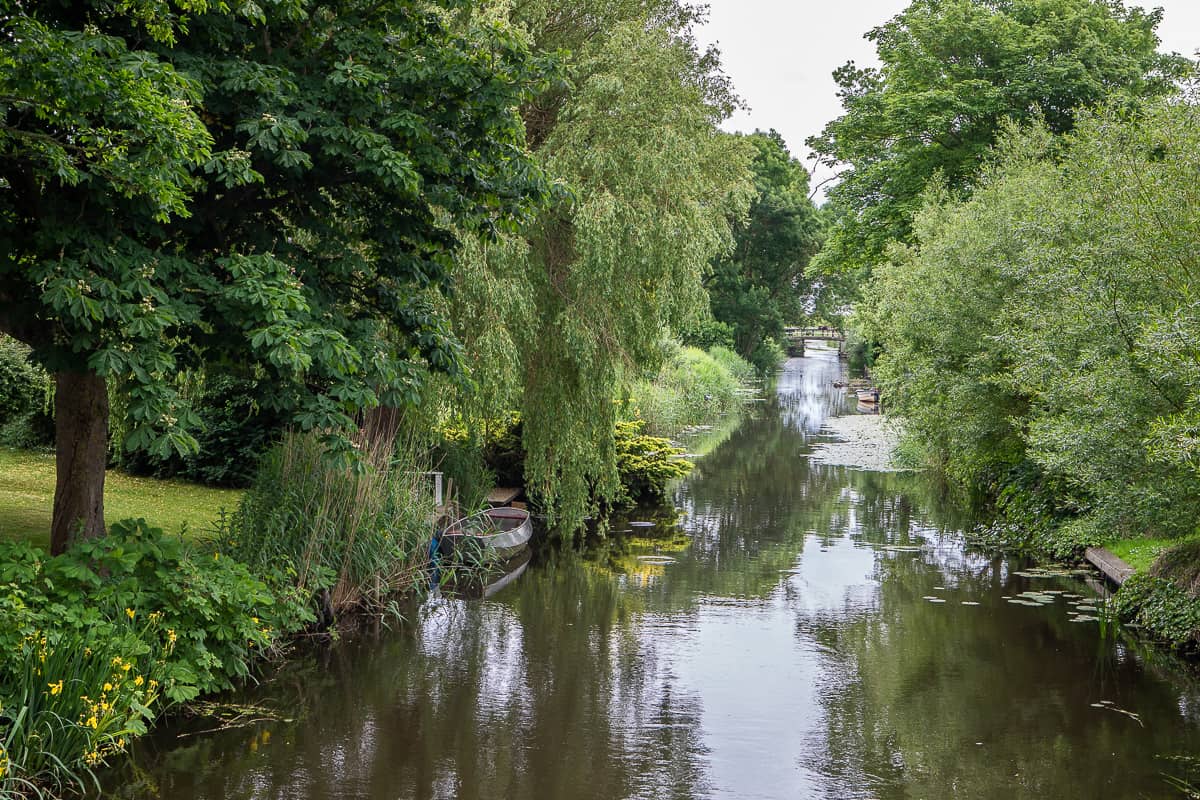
column 467, row 704
column 570, row 685
column 944, row 700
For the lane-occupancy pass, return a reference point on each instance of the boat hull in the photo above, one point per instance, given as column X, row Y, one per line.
column 503, row 531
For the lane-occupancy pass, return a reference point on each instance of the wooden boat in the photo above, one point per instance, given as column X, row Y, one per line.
column 868, row 396
column 504, row 531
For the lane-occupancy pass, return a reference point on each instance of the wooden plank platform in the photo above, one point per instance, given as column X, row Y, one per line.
column 1114, row 568
column 502, row 496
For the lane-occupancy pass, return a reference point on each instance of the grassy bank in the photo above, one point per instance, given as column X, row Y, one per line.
column 99, row 641
column 27, row 497
column 693, row 387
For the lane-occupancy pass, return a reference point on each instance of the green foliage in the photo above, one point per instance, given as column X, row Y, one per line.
column 647, row 464
column 566, row 312
column 24, row 390
column 72, row 703
column 762, row 285
column 691, row 388
column 276, row 185
column 1160, row 607
column 19, row 380
column 953, row 72
column 312, row 525
column 96, row 640
column 236, row 426
column 1038, row 339
column 708, row 333
column 209, row 614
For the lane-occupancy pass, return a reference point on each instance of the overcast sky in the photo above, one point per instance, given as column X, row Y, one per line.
column 781, row 55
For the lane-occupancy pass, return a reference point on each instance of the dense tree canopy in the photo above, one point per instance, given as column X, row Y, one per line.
column 558, row 318
column 276, row 186
column 762, row 285
column 1041, row 335
column 952, row 72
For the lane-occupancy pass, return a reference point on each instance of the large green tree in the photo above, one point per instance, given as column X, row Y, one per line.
column 952, row 71
column 1041, row 335
column 762, row 284
column 561, row 316
column 274, row 186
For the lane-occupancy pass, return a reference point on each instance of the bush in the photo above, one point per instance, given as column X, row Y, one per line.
column 709, row 334
column 236, row 430
column 341, row 535
column 767, row 355
column 26, row 420
column 210, row 614
column 647, row 464
column 1161, row 608
column 95, row 637
column 692, row 387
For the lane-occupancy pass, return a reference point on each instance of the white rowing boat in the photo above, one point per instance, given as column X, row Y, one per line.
column 505, row 531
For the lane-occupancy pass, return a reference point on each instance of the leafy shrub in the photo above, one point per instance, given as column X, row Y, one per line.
column 72, row 702
column 236, row 430
column 766, row 356
column 210, row 614
column 351, row 534
column 692, row 388
column 709, row 334
column 96, row 639
column 1160, row 607
column 647, row 464
column 25, row 417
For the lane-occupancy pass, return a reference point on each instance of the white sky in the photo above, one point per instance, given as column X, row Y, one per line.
column 781, row 55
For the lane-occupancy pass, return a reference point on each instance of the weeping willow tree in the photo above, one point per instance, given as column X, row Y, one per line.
column 556, row 318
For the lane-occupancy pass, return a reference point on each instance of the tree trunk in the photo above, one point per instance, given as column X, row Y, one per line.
column 380, row 426
column 81, row 453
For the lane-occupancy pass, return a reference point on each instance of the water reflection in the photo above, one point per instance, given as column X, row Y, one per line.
column 782, row 646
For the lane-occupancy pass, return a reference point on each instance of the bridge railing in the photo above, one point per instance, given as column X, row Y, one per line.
column 820, row 332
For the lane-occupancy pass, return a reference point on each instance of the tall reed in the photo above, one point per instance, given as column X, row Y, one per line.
column 353, row 534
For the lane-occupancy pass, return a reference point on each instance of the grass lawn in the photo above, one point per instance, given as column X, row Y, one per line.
column 1140, row 553
column 27, row 497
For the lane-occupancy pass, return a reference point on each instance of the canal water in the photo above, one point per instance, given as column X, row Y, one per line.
column 807, row 631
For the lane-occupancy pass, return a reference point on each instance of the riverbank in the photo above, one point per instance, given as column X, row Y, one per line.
column 1161, row 598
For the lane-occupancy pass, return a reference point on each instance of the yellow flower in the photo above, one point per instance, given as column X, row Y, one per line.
column 125, row 667
column 171, row 637
column 92, row 722
column 153, row 685
column 116, row 662
column 108, row 687
column 156, row 616
column 55, row 688
column 129, row 612
column 139, row 680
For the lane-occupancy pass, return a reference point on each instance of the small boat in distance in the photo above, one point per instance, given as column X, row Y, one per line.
column 505, row 531
column 868, row 396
